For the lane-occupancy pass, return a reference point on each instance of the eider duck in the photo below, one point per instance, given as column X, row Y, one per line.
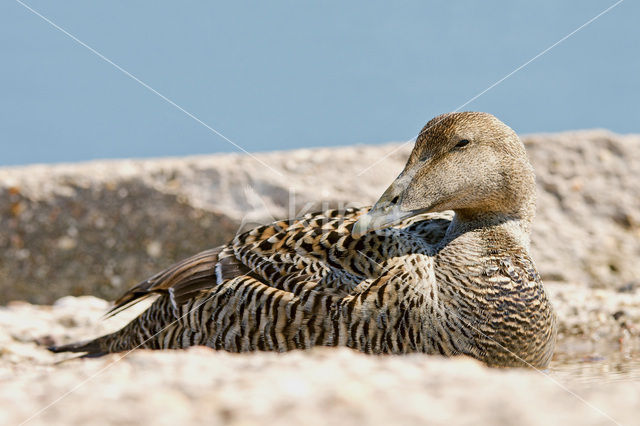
column 402, row 276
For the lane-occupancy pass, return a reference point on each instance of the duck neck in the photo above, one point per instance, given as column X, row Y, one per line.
column 488, row 225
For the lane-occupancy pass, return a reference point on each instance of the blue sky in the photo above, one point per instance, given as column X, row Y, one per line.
column 281, row 75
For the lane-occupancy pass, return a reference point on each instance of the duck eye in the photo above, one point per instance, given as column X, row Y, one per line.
column 462, row 143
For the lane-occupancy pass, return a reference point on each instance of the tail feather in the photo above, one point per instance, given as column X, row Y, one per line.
column 91, row 347
column 174, row 286
column 143, row 331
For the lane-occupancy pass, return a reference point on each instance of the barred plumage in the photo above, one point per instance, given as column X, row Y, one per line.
column 398, row 278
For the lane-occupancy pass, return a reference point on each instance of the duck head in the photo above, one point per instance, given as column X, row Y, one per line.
column 468, row 162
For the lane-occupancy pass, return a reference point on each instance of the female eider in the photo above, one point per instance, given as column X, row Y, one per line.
column 396, row 278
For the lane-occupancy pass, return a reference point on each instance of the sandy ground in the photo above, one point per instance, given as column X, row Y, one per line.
column 322, row 386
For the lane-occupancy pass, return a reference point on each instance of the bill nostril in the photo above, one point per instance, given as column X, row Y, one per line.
column 395, row 199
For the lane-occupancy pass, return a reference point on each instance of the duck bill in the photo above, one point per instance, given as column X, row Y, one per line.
column 386, row 212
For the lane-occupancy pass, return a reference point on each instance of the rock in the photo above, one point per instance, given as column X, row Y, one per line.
column 587, row 227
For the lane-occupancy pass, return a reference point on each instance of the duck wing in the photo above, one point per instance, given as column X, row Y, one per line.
column 278, row 254
column 275, row 286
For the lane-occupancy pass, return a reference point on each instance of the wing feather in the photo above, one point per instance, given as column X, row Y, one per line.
column 181, row 280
